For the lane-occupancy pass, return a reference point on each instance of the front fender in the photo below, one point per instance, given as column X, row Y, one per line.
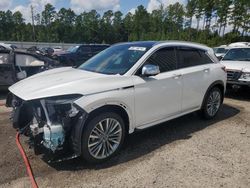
column 119, row 97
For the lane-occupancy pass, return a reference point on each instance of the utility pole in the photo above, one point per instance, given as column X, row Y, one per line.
column 33, row 26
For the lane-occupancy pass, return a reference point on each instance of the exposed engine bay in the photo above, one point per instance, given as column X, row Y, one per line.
column 49, row 123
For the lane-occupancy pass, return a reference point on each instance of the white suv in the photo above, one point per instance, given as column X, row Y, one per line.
column 130, row 86
column 237, row 62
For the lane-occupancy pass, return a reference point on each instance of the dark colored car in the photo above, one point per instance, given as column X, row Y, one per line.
column 47, row 51
column 77, row 55
column 16, row 65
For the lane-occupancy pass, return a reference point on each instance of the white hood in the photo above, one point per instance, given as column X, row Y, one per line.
column 237, row 65
column 67, row 80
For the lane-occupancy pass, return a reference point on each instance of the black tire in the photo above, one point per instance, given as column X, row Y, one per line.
column 90, row 125
column 205, row 113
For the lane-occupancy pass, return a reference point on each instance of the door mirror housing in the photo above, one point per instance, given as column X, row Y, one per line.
column 220, row 57
column 150, row 70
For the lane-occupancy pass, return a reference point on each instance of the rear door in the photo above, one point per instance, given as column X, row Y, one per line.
column 196, row 72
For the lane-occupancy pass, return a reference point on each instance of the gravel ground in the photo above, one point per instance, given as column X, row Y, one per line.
column 186, row 152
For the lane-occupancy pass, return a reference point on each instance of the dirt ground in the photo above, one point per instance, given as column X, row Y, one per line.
column 186, row 152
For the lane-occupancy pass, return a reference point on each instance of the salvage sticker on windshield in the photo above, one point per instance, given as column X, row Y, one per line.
column 137, row 48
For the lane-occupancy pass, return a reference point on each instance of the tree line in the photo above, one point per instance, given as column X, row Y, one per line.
column 212, row 22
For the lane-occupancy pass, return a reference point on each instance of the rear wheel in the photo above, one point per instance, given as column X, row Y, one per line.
column 103, row 137
column 212, row 103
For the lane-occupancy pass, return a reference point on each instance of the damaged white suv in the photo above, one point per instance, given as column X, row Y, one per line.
column 130, row 86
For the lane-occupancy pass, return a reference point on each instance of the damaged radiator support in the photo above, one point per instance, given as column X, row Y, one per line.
column 50, row 123
column 53, row 134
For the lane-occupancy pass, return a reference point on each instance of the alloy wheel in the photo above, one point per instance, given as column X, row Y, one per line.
column 213, row 103
column 104, row 138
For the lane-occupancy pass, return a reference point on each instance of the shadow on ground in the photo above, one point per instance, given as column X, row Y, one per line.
column 144, row 142
column 242, row 94
column 3, row 94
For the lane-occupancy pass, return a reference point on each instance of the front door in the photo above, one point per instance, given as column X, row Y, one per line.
column 158, row 97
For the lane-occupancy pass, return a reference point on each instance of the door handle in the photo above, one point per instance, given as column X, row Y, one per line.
column 177, row 76
column 206, row 70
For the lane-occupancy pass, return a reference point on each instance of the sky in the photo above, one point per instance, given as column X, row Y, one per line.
column 78, row 6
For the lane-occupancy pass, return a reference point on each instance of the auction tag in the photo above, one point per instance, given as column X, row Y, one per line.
column 137, row 48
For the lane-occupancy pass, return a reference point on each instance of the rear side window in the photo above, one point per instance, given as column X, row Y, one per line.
column 165, row 58
column 189, row 57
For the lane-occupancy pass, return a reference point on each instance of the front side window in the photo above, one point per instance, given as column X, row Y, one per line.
column 238, row 54
column 73, row 49
column 189, row 57
column 98, row 48
column 117, row 59
column 165, row 58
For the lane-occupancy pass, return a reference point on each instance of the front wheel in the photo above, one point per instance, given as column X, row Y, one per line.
column 212, row 103
column 102, row 137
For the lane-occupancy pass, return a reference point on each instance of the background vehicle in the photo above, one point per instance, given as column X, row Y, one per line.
column 129, row 86
column 239, row 44
column 237, row 62
column 220, row 51
column 16, row 65
column 77, row 55
column 4, row 46
column 48, row 51
column 57, row 49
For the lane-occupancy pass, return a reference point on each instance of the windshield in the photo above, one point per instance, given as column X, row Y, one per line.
column 220, row 50
column 238, row 54
column 73, row 49
column 117, row 59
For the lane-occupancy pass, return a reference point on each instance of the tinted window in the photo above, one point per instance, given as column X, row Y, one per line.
column 165, row 58
column 98, row 48
column 73, row 49
column 189, row 57
column 84, row 50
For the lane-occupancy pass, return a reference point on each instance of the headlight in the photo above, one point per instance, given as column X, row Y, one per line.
column 245, row 75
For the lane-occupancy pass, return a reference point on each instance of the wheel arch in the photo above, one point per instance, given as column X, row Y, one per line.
column 85, row 117
column 119, row 109
column 220, row 84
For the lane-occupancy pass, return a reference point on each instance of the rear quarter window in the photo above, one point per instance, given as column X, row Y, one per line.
column 189, row 57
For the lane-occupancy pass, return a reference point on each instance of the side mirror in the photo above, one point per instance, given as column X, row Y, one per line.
column 219, row 57
column 150, row 70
